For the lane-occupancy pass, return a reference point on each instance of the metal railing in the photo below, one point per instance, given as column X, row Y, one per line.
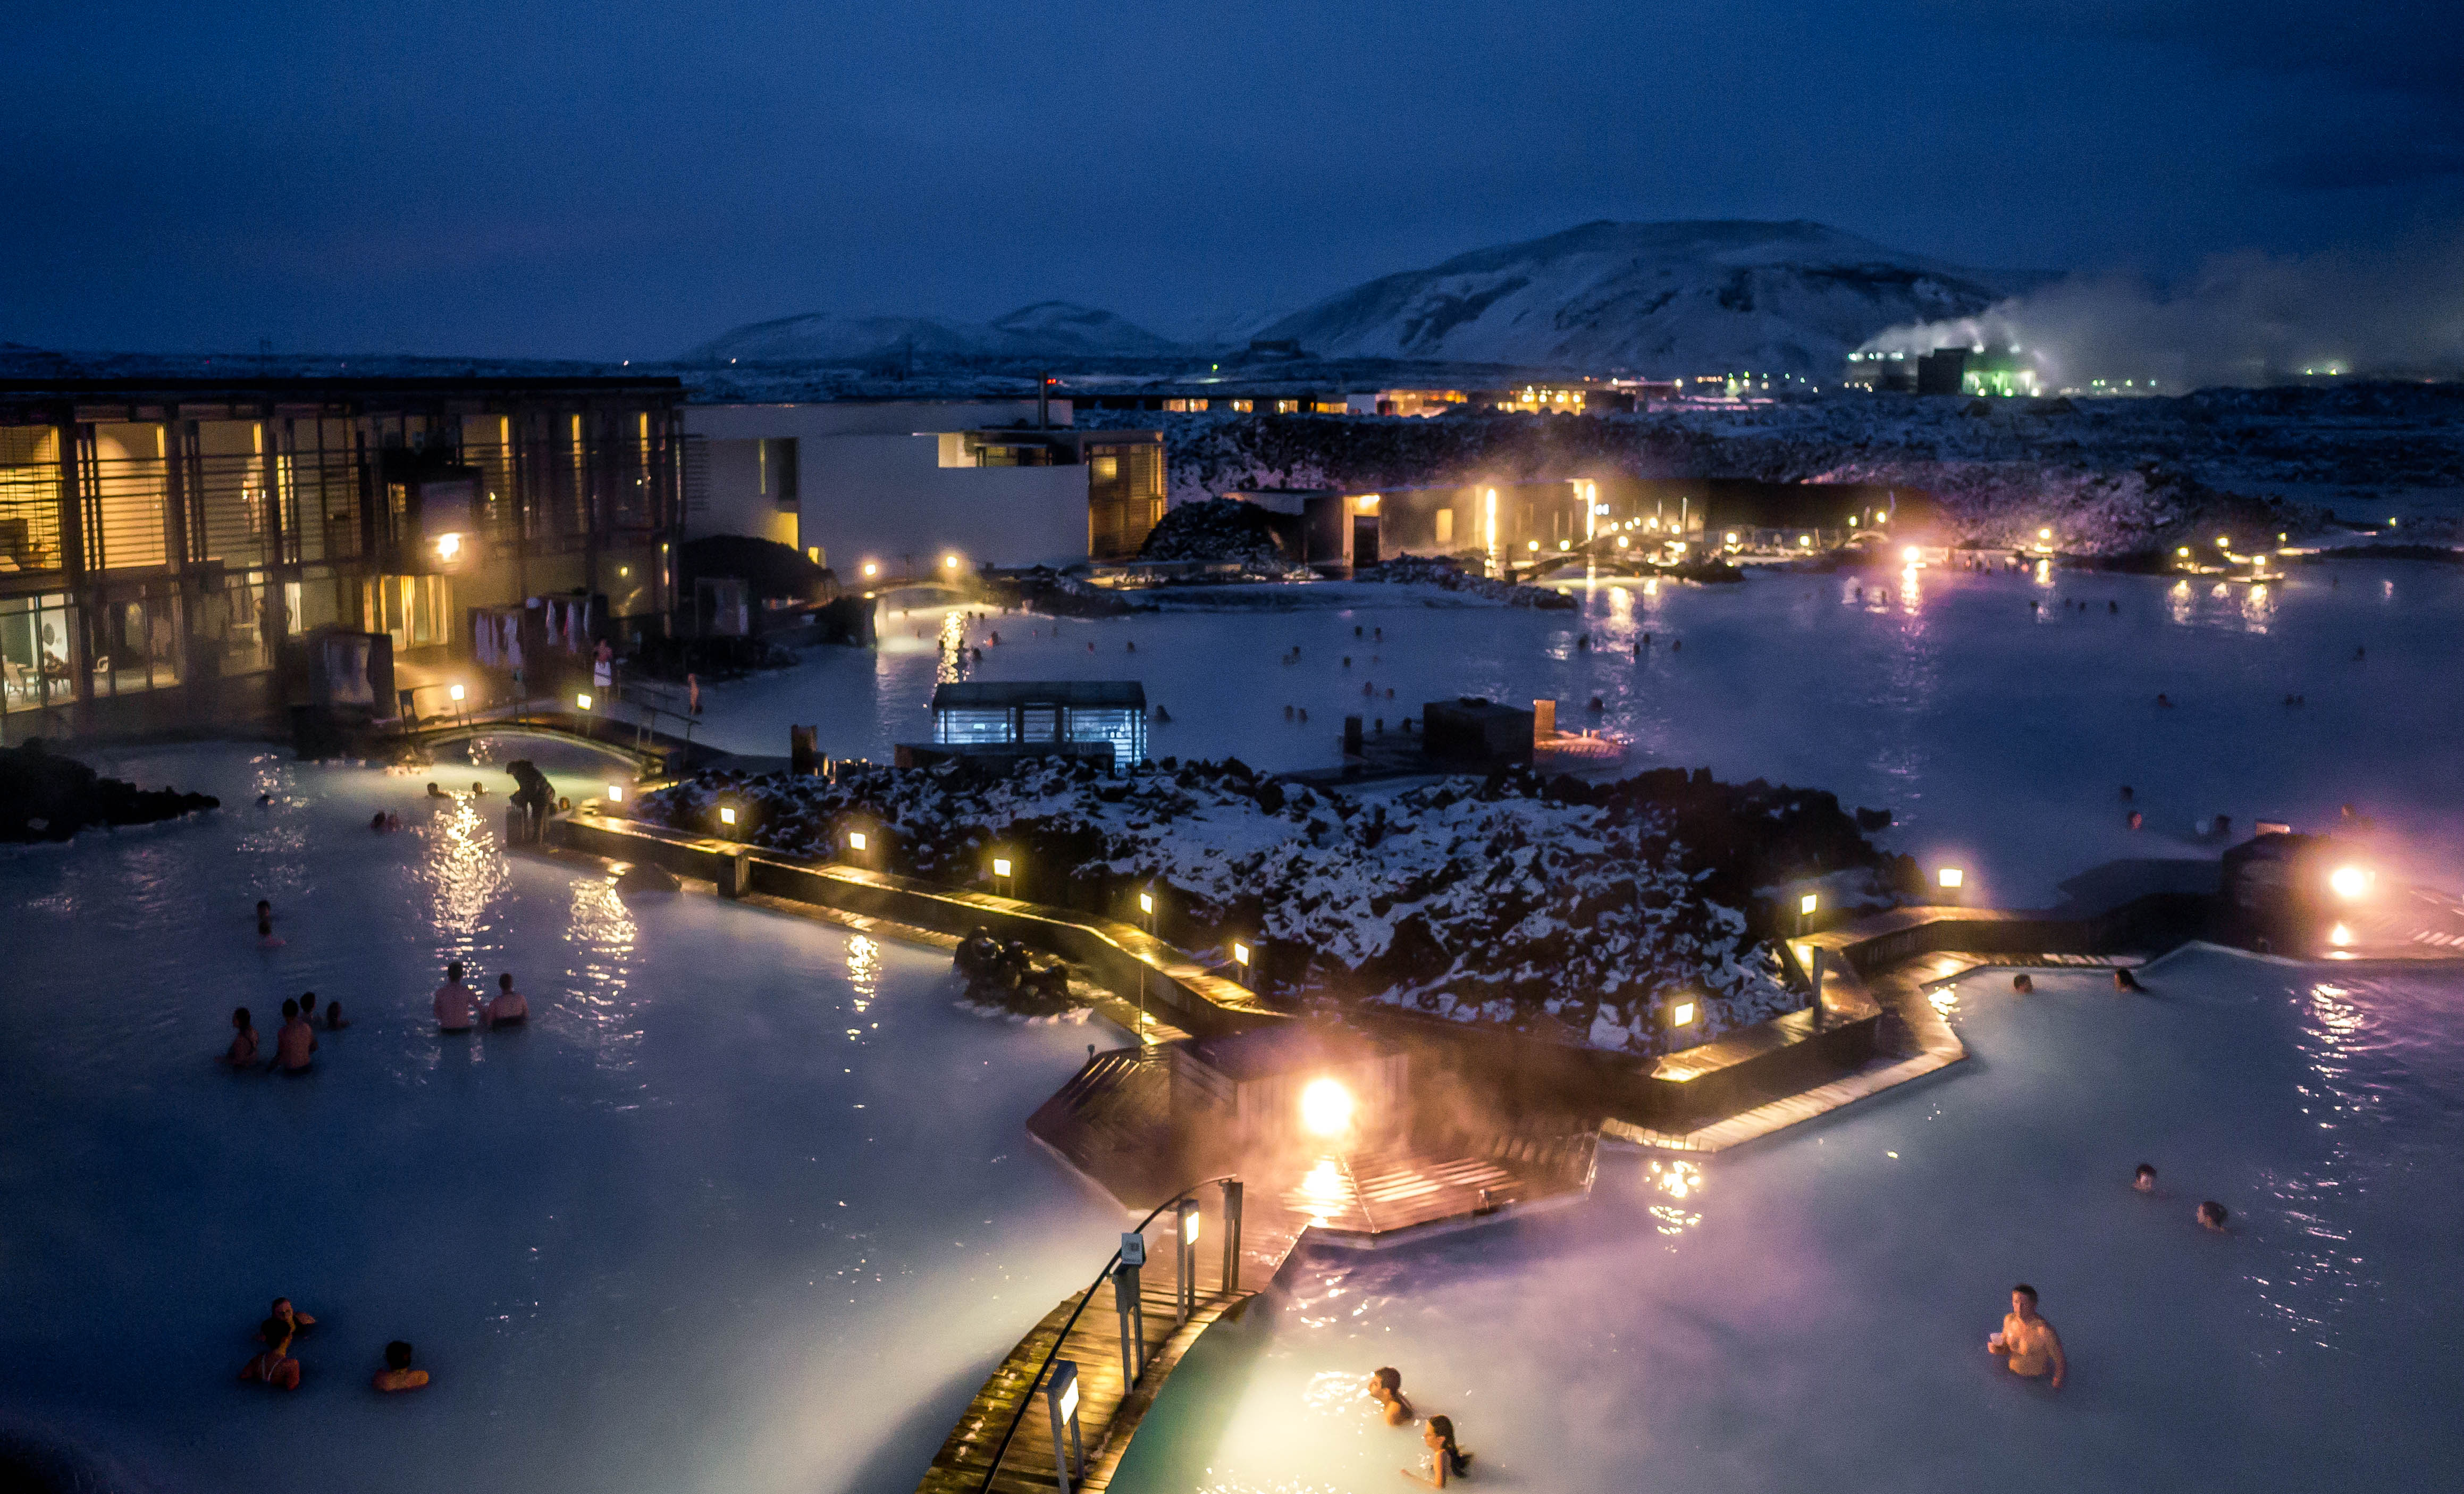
column 1130, row 1375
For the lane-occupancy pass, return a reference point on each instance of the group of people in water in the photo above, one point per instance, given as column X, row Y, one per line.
column 458, row 1008
column 277, row 1367
column 1447, row 1460
column 2029, row 1344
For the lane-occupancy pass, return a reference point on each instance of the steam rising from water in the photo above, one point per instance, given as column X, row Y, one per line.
column 2241, row 319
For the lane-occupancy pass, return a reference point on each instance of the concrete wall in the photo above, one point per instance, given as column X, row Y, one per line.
column 872, row 487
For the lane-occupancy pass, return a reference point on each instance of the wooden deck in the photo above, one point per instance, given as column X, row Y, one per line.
column 1110, row 1408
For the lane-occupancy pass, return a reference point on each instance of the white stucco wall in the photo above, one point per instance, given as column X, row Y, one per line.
column 870, row 487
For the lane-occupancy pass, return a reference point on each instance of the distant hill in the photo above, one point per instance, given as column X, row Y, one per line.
column 1655, row 298
column 1047, row 329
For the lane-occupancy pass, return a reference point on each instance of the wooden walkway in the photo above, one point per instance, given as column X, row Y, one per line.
column 1110, row 1408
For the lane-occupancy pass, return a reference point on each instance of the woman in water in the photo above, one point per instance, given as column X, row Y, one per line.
column 1446, row 1461
column 242, row 1052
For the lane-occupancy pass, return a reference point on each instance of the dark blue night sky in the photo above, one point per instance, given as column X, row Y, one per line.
column 621, row 180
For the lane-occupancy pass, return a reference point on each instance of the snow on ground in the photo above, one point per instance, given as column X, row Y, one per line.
column 1998, row 733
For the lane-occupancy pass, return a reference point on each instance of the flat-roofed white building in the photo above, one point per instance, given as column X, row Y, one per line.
column 916, row 487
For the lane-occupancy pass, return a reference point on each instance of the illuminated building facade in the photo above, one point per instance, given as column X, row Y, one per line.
column 163, row 540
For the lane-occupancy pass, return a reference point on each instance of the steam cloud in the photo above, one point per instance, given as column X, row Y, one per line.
column 2241, row 319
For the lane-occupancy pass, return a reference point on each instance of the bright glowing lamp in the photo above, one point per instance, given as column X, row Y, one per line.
column 1565, row 544
column 1951, row 877
column 1001, row 866
column 2340, row 935
column 2223, row 541
column 1805, row 541
column 1910, row 554
column 949, row 563
column 582, row 700
column 2044, row 534
column 855, row 840
column 447, row 546
column 1189, row 1222
column 1146, row 902
column 1806, row 904
column 615, row 793
column 1326, row 1107
column 1681, row 1015
column 871, row 569
column 1240, row 953
column 1534, row 544
column 2183, row 552
column 726, row 815
column 1068, row 1399
column 2350, row 882
column 1620, row 541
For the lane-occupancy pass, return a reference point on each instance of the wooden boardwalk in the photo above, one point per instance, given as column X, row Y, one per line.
column 1110, row 1408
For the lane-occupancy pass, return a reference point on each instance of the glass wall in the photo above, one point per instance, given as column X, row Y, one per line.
column 34, row 633
column 417, row 610
column 29, row 498
column 134, row 640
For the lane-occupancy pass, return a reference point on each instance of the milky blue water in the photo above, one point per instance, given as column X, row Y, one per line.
column 1998, row 733
column 1811, row 1312
column 747, row 1206
column 750, row 1205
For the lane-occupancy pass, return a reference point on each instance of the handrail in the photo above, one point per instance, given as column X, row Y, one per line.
column 1058, row 1339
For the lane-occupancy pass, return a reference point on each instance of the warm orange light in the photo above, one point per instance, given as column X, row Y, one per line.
column 1326, row 1108
column 855, row 840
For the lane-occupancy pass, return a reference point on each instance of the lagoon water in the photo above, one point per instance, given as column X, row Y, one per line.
column 1999, row 735
column 1811, row 1312
column 750, row 1206
column 746, row 1206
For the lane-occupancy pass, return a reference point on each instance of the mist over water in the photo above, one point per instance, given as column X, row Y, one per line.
column 2241, row 319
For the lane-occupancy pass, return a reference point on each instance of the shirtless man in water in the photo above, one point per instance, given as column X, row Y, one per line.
column 1386, row 1388
column 457, row 1008
column 2028, row 1339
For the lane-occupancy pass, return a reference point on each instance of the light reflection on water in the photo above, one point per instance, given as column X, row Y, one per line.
column 1681, row 1182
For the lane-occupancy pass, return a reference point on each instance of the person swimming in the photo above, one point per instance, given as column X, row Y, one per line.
column 297, row 1039
column 398, row 1374
column 2027, row 1340
column 300, row 1322
column 1447, row 1462
column 334, row 1020
column 2212, row 1216
column 506, row 1007
column 376, row 822
column 242, row 1052
column 2143, row 1178
column 478, row 790
column 434, row 792
column 2124, row 981
column 275, row 1367
column 265, row 936
column 2023, row 983
column 1386, row 1388
column 453, row 1001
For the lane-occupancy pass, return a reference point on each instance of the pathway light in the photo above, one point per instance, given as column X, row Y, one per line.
column 1681, row 1015
column 2350, row 882
column 1001, row 866
column 1326, row 1107
column 727, row 814
column 1146, row 903
column 1951, row 877
column 456, row 693
column 2340, row 935
column 615, row 793
column 1240, row 953
column 1806, row 905
column 582, row 700
column 855, row 840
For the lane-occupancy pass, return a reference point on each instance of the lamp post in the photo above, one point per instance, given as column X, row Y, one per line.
column 1061, row 1402
column 1805, row 907
column 1241, row 959
column 858, row 841
column 1002, row 874
column 1184, row 1283
column 1146, row 918
column 1951, row 879
column 1130, row 1309
column 582, row 701
column 1232, row 1202
column 455, row 695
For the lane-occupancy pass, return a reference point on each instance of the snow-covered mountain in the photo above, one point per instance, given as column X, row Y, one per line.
column 1658, row 298
column 1046, row 329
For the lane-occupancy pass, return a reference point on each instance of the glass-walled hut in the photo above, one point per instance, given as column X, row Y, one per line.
column 161, row 539
column 1001, row 719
